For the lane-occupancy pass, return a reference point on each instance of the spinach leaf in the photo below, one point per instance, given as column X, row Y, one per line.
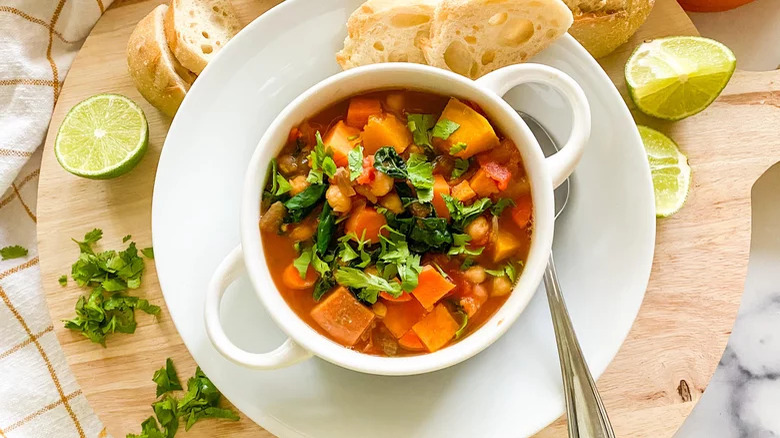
column 387, row 161
column 429, row 234
column 300, row 205
column 367, row 285
column 323, row 285
column 462, row 214
column 325, row 228
column 499, row 206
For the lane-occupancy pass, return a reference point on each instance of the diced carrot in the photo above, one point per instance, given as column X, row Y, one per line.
column 342, row 139
column 292, row 278
column 385, row 130
column 475, row 130
column 482, row 184
column 431, row 286
column 498, row 173
column 440, row 187
column 365, row 223
column 437, row 328
column 521, row 212
column 342, row 316
column 404, row 297
column 411, row 341
column 505, row 245
column 400, row 317
column 463, row 191
column 359, row 110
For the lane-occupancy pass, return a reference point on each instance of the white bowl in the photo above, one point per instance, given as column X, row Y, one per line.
column 544, row 175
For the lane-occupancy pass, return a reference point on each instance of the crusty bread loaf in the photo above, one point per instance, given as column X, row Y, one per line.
column 157, row 75
column 603, row 25
column 198, row 29
column 386, row 31
column 474, row 37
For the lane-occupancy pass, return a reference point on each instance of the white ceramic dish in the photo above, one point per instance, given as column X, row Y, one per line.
column 603, row 245
column 544, row 175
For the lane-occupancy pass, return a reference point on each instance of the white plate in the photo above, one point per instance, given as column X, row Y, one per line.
column 603, row 248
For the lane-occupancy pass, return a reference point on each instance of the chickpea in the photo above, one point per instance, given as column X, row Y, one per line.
column 478, row 230
column 302, row 232
column 475, row 274
column 501, row 286
column 287, row 164
column 392, row 202
column 337, row 200
column 382, row 184
column 298, row 184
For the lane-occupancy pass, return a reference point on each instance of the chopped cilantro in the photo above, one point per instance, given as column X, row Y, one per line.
column 148, row 252
column 462, row 214
column 457, row 147
column 167, row 414
column 510, row 270
column 367, row 285
column 149, row 429
column 200, row 401
column 421, row 176
column 444, row 128
column 13, row 252
column 302, row 262
column 166, row 378
column 126, row 238
column 459, row 243
column 420, row 126
column 355, row 158
column 282, row 185
column 463, row 323
column 467, row 263
column 395, row 252
column 499, row 206
column 387, row 161
column 321, row 162
column 461, row 166
column 63, row 280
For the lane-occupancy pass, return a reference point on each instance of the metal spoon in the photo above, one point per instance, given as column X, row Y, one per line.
column 586, row 414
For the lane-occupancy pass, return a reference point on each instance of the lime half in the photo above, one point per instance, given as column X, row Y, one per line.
column 670, row 171
column 676, row 77
column 102, row 137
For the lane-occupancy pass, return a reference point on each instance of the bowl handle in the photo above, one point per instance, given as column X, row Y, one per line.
column 227, row 272
column 562, row 164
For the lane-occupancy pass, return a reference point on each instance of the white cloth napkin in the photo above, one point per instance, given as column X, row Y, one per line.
column 39, row 397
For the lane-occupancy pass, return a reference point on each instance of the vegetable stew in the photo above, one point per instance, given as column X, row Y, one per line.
column 399, row 221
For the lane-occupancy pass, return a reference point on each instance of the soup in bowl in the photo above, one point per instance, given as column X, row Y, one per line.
column 396, row 218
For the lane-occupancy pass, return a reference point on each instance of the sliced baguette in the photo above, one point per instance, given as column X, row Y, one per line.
column 157, row 75
column 198, row 29
column 475, row 37
column 603, row 28
column 386, row 31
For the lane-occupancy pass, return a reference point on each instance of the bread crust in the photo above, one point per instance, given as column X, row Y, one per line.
column 603, row 32
column 153, row 68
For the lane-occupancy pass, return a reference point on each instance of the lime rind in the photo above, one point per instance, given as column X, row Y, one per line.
column 676, row 77
column 669, row 169
column 102, row 137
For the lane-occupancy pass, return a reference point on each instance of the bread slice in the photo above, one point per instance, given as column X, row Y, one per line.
column 154, row 70
column 601, row 28
column 198, row 29
column 475, row 37
column 386, row 31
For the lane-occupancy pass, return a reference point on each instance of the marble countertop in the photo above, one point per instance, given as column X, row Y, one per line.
column 743, row 397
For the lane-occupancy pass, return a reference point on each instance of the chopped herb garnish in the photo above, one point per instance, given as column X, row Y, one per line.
column 463, row 323
column 148, row 252
column 462, row 214
column 420, row 126
column 323, row 285
column 459, row 243
column 321, row 162
column 367, row 285
column 302, row 262
column 387, row 161
column 457, row 147
column 355, row 158
column 149, row 429
column 300, row 205
column 467, row 263
column 444, row 128
column 421, row 176
column 63, row 280
column 282, row 185
column 325, row 228
column 166, row 378
column 13, row 252
column 200, row 401
column 461, row 166
column 126, row 238
column 166, row 412
column 510, row 270
column 395, row 252
column 499, row 206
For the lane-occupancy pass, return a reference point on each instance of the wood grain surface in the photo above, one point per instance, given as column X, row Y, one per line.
column 651, row 386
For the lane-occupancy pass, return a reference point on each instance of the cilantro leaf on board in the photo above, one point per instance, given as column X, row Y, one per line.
column 63, row 280
column 166, row 378
column 13, row 252
column 148, row 252
column 201, row 400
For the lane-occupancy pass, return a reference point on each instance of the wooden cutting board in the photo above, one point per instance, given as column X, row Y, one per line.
column 651, row 386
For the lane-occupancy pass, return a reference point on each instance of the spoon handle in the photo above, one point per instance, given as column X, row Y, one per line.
column 584, row 408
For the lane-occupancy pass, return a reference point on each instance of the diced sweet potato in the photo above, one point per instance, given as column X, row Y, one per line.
column 401, row 316
column 360, row 108
column 385, row 130
column 463, row 191
column 342, row 316
column 521, row 212
column 437, row 328
column 482, row 184
column 411, row 341
column 431, row 286
column 474, row 130
column 505, row 245
column 440, row 187
column 338, row 139
column 365, row 223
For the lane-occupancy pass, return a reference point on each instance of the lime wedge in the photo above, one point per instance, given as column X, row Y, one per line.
column 102, row 137
column 676, row 77
column 670, row 171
